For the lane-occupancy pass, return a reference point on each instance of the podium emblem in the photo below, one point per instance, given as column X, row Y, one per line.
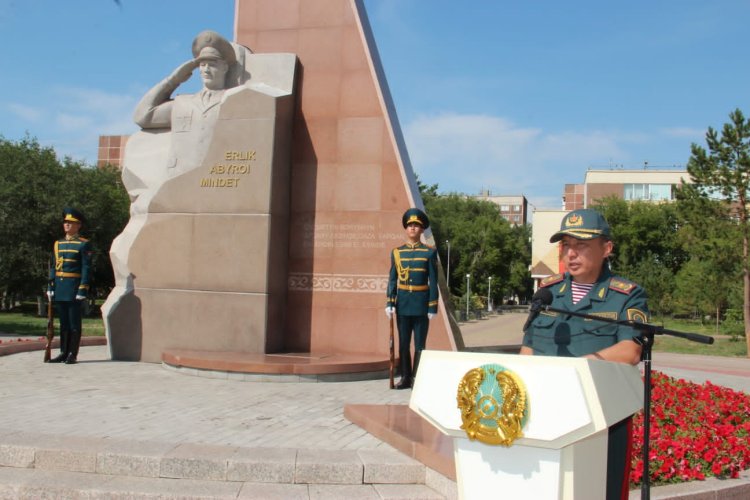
column 493, row 405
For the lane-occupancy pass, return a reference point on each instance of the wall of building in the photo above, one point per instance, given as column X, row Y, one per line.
column 111, row 150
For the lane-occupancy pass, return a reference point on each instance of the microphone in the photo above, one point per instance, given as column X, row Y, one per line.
column 542, row 297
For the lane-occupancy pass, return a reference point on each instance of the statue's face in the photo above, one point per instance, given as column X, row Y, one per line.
column 213, row 73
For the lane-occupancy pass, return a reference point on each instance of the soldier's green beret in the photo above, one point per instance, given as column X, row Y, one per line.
column 583, row 224
column 415, row 215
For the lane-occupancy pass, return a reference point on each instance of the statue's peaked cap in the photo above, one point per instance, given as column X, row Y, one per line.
column 211, row 45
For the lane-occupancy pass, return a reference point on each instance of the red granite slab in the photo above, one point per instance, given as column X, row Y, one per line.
column 406, row 431
column 299, row 363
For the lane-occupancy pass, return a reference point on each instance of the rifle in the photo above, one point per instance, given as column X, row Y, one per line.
column 392, row 365
column 50, row 330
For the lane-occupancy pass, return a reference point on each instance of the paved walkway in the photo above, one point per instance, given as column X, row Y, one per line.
column 59, row 417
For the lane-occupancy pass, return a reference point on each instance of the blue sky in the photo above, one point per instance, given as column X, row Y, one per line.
column 515, row 97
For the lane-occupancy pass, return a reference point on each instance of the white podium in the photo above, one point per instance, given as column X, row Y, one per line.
column 563, row 451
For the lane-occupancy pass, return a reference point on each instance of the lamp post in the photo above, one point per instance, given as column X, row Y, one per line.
column 468, row 294
column 448, row 267
column 489, row 290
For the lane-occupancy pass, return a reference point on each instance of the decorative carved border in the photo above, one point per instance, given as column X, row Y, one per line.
column 342, row 283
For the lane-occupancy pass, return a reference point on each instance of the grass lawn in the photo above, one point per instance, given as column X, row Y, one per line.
column 29, row 324
column 723, row 344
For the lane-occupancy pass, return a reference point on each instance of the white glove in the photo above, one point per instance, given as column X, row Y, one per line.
column 80, row 297
column 50, row 294
column 389, row 311
column 430, row 315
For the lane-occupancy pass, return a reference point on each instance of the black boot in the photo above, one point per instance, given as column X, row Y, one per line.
column 405, row 368
column 75, row 342
column 417, row 355
column 59, row 358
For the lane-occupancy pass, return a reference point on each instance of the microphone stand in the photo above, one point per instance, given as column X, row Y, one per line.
column 646, row 340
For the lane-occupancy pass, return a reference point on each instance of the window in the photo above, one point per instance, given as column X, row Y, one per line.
column 505, row 208
column 652, row 192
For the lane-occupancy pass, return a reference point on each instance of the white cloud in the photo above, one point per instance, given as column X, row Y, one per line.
column 469, row 152
column 26, row 113
column 683, row 132
column 71, row 123
column 70, row 119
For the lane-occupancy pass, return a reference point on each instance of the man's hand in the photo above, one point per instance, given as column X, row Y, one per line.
column 184, row 72
column 389, row 311
column 80, row 297
column 50, row 294
column 430, row 315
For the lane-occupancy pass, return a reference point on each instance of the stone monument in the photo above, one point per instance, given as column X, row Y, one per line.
column 351, row 176
column 202, row 262
column 271, row 234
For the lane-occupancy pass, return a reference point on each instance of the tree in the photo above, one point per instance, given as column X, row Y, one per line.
column 483, row 245
column 34, row 188
column 724, row 171
column 647, row 247
column 30, row 181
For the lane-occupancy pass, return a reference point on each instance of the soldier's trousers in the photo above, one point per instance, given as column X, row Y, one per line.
column 69, row 313
column 406, row 325
column 619, row 455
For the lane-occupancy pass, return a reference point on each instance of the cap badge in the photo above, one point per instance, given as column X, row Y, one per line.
column 574, row 221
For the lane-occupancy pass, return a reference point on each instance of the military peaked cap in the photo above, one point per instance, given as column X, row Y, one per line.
column 584, row 224
column 415, row 215
column 72, row 215
column 211, row 45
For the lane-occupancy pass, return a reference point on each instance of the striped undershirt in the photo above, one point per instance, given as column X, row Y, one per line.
column 579, row 290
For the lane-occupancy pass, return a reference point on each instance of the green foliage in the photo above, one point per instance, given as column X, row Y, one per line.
column 483, row 245
column 734, row 323
column 642, row 231
column 725, row 168
column 34, row 187
column 723, row 171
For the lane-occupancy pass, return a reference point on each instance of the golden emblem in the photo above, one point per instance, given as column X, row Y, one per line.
column 637, row 315
column 574, row 220
column 493, row 405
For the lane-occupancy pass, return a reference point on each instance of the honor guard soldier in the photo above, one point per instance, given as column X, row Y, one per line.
column 589, row 287
column 412, row 292
column 69, row 283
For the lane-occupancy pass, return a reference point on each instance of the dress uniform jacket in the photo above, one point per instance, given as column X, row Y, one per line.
column 612, row 297
column 70, row 269
column 412, row 284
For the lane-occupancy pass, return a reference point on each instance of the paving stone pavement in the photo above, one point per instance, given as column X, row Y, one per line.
column 105, row 399
column 104, row 429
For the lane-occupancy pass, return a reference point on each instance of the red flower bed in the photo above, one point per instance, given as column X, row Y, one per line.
column 697, row 431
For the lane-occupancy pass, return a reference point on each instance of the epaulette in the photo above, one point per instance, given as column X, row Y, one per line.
column 621, row 285
column 551, row 280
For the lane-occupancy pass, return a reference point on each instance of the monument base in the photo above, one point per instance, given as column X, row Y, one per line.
column 278, row 367
column 408, row 432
